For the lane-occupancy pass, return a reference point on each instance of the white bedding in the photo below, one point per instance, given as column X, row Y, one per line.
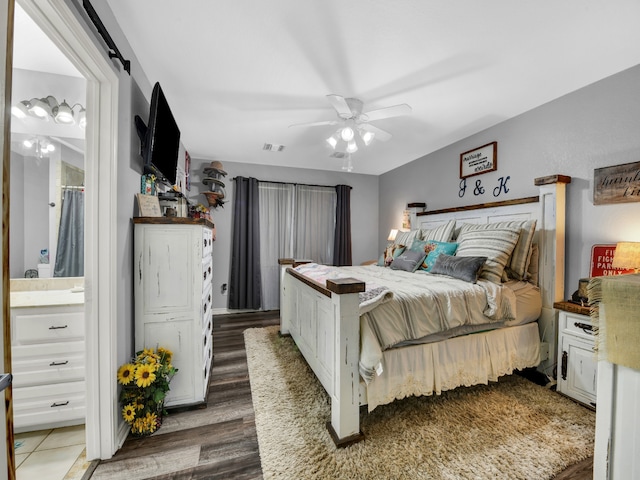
column 400, row 307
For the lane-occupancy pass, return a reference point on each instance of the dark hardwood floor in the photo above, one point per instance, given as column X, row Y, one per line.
column 227, row 440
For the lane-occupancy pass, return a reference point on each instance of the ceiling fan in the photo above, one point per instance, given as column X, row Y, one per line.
column 355, row 126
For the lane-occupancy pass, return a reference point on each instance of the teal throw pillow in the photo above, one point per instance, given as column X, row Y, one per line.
column 434, row 249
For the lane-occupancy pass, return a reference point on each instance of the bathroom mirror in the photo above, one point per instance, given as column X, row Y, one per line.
column 47, row 176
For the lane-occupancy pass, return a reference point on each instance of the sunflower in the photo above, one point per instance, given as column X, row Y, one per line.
column 125, row 373
column 145, row 375
column 129, row 413
column 168, row 354
column 151, row 422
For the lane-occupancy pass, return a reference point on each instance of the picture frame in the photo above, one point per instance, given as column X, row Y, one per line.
column 148, row 205
column 480, row 160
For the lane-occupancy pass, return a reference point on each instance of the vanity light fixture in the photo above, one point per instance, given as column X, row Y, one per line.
column 48, row 107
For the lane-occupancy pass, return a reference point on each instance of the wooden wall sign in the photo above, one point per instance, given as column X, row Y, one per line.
column 480, row 160
column 618, row 184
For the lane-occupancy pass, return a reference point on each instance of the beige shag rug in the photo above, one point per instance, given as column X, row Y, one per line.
column 512, row 429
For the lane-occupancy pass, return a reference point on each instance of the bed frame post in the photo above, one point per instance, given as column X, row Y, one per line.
column 345, row 401
column 552, row 243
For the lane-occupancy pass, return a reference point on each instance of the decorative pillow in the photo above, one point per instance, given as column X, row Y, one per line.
column 443, row 233
column 409, row 260
column 517, row 265
column 433, row 249
column 462, row 268
column 496, row 244
column 406, row 238
column 532, row 269
column 391, row 252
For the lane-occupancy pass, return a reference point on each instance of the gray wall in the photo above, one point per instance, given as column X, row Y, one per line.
column 594, row 127
column 364, row 210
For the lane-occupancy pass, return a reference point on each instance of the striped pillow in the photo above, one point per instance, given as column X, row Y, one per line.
column 496, row 244
column 443, row 233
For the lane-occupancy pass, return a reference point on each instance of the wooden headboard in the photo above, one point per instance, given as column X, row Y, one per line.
column 548, row 209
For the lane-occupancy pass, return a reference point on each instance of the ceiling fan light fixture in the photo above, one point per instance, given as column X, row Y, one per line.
column 352, row 147
column 347, row 134
column 367, row 137
column 28, row 143
column 332, row 141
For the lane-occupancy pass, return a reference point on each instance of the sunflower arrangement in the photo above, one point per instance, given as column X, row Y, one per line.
column 145, row 383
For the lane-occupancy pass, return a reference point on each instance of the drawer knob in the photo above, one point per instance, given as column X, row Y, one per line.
column 53, row 364
column 61, row 404
column 54, row 327
column 586, row 328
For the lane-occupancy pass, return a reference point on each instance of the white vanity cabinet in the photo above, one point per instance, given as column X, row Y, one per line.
column 173, row 292
column 48, row 363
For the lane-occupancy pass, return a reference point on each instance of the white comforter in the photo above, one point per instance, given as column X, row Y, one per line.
column 399, row 306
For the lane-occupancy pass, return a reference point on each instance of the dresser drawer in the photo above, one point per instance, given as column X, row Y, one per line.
column 49, row 363
column 33, row 326
column 576, row 324
column 207, row 242
column 49, row 405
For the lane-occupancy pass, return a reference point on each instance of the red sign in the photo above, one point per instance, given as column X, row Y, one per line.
column 601, row 260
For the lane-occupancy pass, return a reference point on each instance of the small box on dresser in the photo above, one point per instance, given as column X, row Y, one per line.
column 172, row 291
column 577, row 363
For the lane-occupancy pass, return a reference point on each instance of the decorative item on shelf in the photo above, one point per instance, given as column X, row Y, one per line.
column 148, row 184
column 212, row 178
column 145, row 384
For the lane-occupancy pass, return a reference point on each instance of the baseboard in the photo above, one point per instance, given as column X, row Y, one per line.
column 226, row 311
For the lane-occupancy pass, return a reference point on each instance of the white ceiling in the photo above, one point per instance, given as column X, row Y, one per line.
column 238, row 73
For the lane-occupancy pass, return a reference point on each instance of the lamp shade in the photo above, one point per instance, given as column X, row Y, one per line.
column 392, row 234
column 627, row 255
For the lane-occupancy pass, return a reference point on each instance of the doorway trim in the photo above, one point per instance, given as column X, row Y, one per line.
column 65, row 29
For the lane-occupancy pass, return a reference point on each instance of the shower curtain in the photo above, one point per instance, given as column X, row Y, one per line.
column 70, row 251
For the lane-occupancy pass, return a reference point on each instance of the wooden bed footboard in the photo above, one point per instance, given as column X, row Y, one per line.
column 325, row 324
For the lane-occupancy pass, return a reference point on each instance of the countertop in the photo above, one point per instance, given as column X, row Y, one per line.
column 46, row 298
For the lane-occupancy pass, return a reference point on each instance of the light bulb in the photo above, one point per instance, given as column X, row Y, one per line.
column 28, row 143
column 50, row 147
column 352, row 147
column 82, row 118
column 347, row 134
column 367, row 137
column 332, row 141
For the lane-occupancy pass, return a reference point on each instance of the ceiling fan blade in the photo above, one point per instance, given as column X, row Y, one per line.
column 341, row 106
column 315, row 124
column 380, row 134
column 387, row 112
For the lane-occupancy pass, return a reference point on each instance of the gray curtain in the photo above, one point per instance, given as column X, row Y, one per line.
column 244, row 285
column 342, row 238
column 70, row 251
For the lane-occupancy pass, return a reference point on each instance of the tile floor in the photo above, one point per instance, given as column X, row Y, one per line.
column 57, row 454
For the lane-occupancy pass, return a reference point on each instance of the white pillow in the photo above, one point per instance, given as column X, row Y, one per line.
column 443, row 233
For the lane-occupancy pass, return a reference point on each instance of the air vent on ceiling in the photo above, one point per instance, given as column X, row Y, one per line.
column 338, row 155
column 272, row 147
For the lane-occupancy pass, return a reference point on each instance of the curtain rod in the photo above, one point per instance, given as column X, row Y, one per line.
column 102, row 30
column 294, row 183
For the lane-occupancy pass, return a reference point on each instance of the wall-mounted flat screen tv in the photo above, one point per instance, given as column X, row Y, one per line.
column 160, row 139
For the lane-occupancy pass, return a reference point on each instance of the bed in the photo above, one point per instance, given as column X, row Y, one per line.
column 339, row 319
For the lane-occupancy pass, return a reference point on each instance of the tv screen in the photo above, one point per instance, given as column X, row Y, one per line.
column 162, row 143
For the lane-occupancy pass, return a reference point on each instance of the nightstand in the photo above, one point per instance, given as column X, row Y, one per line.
column 578, row 366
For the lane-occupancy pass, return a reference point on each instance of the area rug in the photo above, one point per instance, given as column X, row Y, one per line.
column 511, row 429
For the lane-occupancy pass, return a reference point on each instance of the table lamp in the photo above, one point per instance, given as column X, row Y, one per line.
column 627, row 256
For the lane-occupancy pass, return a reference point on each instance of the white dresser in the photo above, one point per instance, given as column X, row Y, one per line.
column 48, row 359
column 172, row 291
